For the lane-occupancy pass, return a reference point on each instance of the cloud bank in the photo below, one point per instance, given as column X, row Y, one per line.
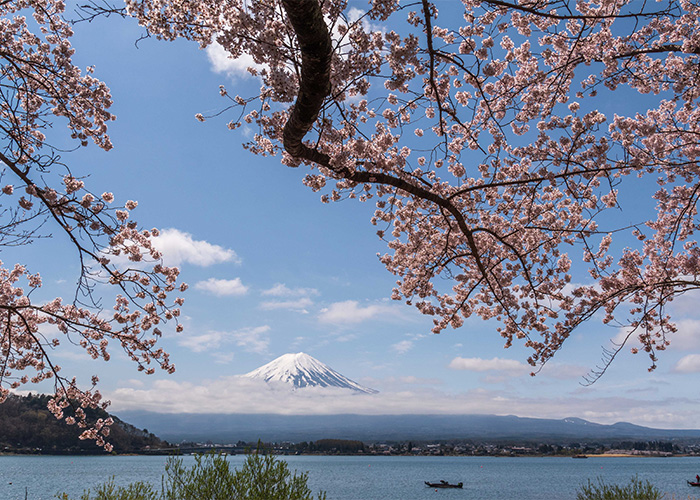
column 235, row 394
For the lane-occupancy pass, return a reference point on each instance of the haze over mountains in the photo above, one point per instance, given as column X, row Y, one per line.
column 300, row 372
column 229, row 428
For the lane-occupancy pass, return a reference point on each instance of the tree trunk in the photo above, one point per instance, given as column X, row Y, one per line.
column 316, row 52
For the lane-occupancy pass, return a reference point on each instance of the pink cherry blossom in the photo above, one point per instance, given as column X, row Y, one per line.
column 41, row 84
column 479, row 129
column 531, row 174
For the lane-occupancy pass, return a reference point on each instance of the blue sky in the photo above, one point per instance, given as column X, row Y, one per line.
column 272, row 270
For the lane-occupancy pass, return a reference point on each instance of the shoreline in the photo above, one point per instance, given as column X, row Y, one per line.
column 170, row 452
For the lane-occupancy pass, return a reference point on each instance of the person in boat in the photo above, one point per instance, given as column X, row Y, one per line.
column 697, row 478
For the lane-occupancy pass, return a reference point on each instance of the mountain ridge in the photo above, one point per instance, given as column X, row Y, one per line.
column 27, row 426
column 226, row 428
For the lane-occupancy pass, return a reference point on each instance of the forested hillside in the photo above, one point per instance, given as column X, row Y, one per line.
column 27, row 426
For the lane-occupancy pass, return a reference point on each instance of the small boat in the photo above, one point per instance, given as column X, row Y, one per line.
column 580, row 456
column 443, row 484
column 691, row 483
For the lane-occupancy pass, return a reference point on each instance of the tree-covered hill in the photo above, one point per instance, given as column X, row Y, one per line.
column 27, row 426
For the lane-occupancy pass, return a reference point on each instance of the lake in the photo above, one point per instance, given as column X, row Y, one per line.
column 371, row 477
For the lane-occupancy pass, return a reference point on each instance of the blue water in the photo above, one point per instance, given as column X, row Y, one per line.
column 372, row 478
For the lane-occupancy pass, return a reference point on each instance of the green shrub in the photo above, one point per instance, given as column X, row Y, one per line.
column 209, row 478
column 109, row 491
column 262, row 477
column 636, row 490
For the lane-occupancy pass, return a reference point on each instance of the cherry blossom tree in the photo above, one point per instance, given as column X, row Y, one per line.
column 480, row 130
column 41, row 86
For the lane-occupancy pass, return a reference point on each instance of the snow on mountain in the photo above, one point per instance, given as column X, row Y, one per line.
column 302, row 370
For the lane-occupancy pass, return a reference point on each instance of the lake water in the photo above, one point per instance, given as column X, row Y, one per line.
column 371, row 478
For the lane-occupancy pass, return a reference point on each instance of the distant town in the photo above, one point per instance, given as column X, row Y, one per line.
column 353, row 447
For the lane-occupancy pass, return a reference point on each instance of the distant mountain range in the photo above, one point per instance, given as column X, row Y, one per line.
column 373, row 428
column 301, row 370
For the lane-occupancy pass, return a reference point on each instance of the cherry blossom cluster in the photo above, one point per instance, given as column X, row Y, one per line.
column 31, row 331
column 42, row 83
column 42, row 88
column 498, row 140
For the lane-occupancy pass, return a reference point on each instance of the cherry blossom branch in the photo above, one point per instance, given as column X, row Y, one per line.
column 521, row 168
column 41, row 84
column 563, row 17
column 307, row 21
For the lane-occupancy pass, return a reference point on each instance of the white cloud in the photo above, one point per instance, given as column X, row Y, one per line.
column 688, row 364
column 355, row 14
column 221, row 62
column 484, row 365
column 204, row 341
column 561, row 371
column 623, row 336
column 688, row 335
column 178, row 247
column 78, row 354
column 412, row 380
column 250, row 339
column 685, row 304
column 253, row 339
column 403, row 347
column 281, row 290
column 350, row 311
column 298, row 298
column 222, row 287
column 223, row 358
column 300, row 305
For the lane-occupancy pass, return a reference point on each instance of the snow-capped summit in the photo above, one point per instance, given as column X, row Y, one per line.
column 302, row 370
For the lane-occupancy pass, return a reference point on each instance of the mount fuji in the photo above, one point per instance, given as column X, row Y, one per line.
column 301, row 370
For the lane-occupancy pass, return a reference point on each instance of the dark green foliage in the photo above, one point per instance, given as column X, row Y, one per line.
column 262, row 477
column 209, row 478
column 339, row 445
column 663, row 446
column 109, row 491
column 636, row 490
column 27, row 426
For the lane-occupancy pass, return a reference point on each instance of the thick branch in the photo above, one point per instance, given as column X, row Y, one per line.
column 307, row 21
column 316, row 53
